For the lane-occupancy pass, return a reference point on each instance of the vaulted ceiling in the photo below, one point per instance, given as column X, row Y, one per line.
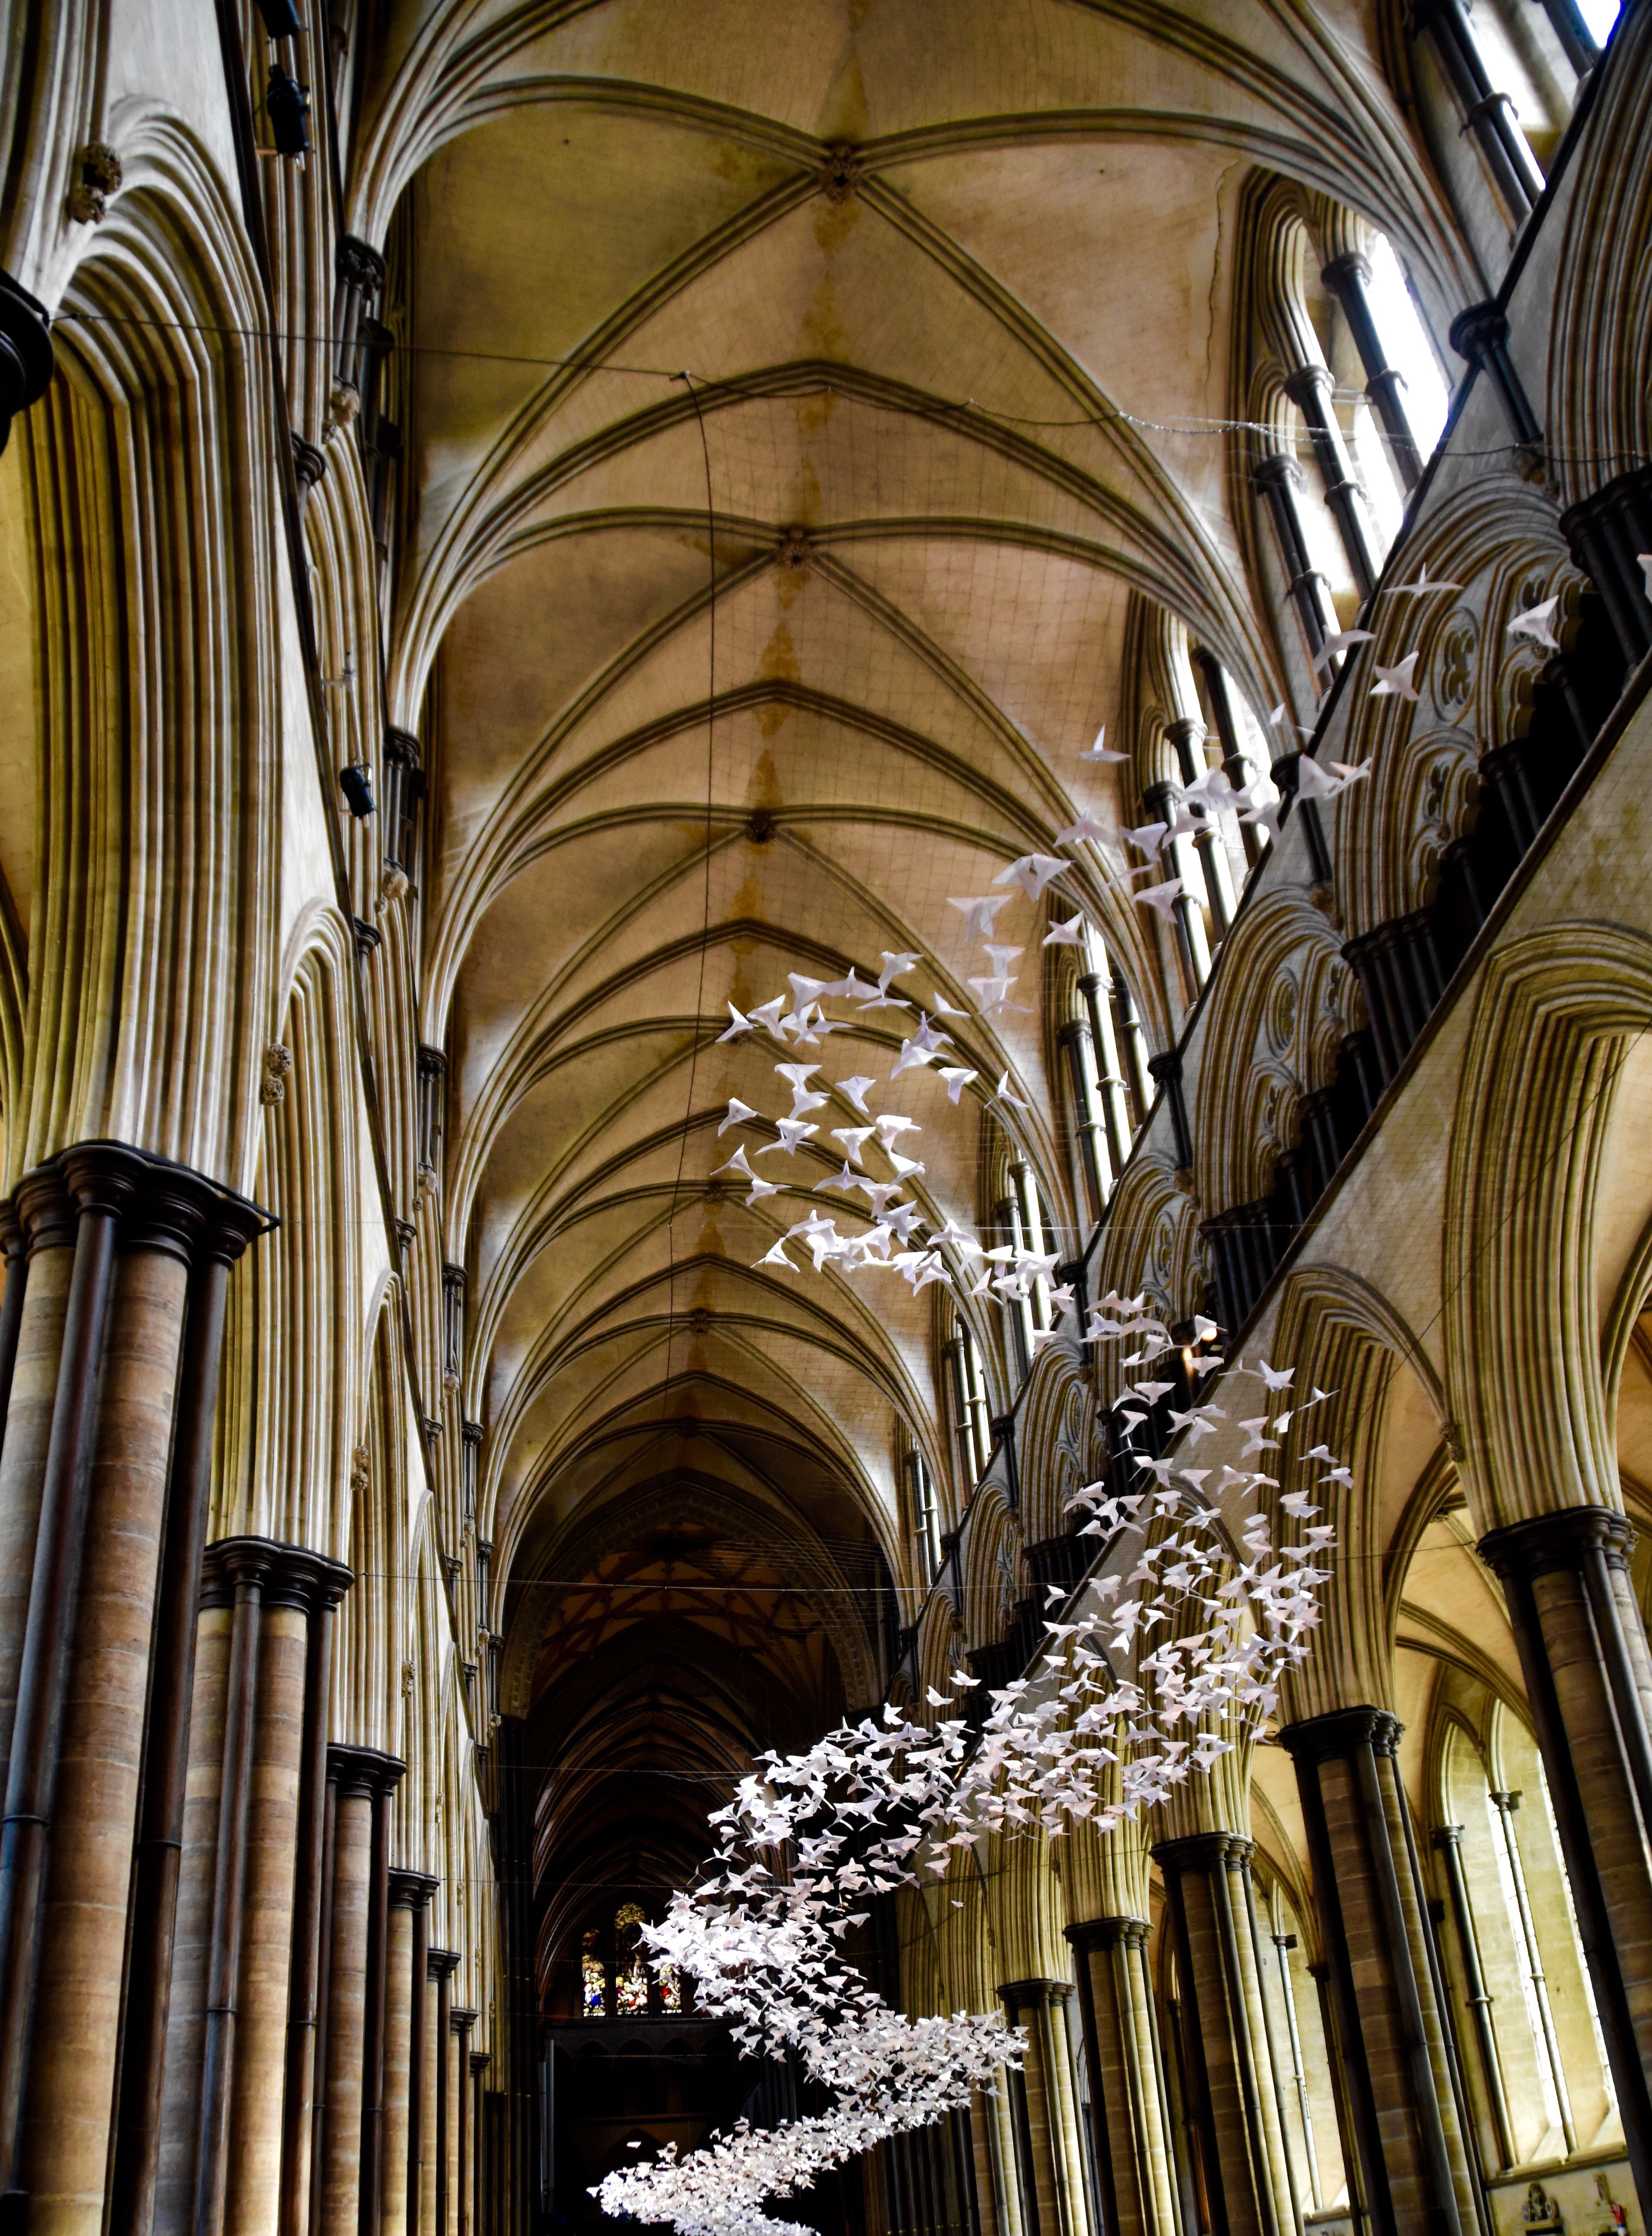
column 800, row 388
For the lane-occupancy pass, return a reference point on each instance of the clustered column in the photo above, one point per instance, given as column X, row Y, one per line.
column 1588, row 1680
column 1130, row 2117
column 1044, row 2112
column 1235, row 2131
column 1404, row 2093
column 110, row 1333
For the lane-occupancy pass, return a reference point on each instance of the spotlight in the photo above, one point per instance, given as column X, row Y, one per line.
column 358, row 792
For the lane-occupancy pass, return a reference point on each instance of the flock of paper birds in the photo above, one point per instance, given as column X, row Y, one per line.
column 875, row 1807
column 882, row 1805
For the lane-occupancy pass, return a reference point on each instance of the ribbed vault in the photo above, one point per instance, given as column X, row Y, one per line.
column 796, row 398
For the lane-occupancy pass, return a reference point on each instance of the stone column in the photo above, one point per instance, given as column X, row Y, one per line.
column 1390, row 2026
column 1233, row 2111
column 426, row 2081
column 443, row 1964
column 101, row 1182
column 157, row 1863
column 409, row 1892
column 358, row 1777
column 1588, row 1680
column 45, row 1215
column 464, row 2090
column 14, row 1248
column 235, row 1574
column 373, row 2110
column 295, row 1583
column 453, row 2110
column 71, row 2077
column 1277, row 481
column 1131, row 2130
column 417, row 2033
column 1053, row 2177
column 1348, row 277
column 1309, row 388
column 480, row 2061
column 304, row 2078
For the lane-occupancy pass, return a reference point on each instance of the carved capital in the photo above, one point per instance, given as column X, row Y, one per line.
column 412, row 1890
column 1546, row 1542
column 1200, row 1853
column 44, row 1211
column 364, row 1772
column 1093, row 1933
column 1342, row 1733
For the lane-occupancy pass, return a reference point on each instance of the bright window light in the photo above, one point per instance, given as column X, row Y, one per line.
column 1408, row 347
column 1600, row 16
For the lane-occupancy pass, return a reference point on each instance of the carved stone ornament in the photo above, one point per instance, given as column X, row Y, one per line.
column 100, row 178
column 794, row 549
column 841, row 172
column 278, row 1065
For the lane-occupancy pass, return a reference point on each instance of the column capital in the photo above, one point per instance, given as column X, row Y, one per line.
column 1033, row 1995
column 1203, row 1852
column 1278, row 471
column 45, row 1210
column 1108, row 1933
column 412, row 1890
column 1448, row 1836
column 1309, row 385
column 480, row 2061
column 230, row 1562
column 292, row 1576
column 442, row 1963
column 462, row 2020
column 1545, row 1543
column 1481, row 327
column 361, row 1772
column 1343, row 1731
column 102, row 1176
column 1349, row 270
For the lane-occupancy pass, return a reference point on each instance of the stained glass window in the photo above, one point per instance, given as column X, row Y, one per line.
column 593, row 1978
column 631, row 1973
column 670, row 1987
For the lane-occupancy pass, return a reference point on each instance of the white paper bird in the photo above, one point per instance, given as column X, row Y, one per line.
column 776, row 1257
column 1536, row 625
column 956, row 1079
column 1070, row 934
column 1421, row 587
column 1644, row 561
column 791, row 1131
column 1099, row 752
column 895, row 966
column 941, row 1007
column 738, row 1023
column 770, row 1015
column 978, row 911
column 1163, row 897
column 854, row 1139
column 738, row 1112
column 1148, row 838
column 1340, row 640
column 891, row 1125
column 1001, row 1094
column 737, row 1164
column 1086, row 827
column 855, row 1088
column 912, row 1057
column 1032, row 872
column 1395, row 682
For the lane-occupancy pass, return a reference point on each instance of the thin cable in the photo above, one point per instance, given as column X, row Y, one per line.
column 940, row 407
column 687, row 379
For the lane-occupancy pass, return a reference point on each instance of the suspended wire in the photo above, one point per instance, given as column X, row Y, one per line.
column 1189, row 429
